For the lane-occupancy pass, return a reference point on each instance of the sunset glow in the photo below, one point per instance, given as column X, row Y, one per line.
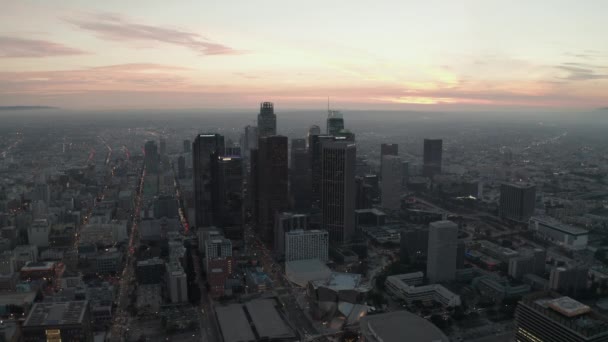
column 229, row 54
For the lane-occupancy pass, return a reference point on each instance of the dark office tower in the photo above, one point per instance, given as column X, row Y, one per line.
column 227, row 195
column 299, row 175
column 273, row 193
column 252, row 185
column 187, row 146
column 433, row 151
column 315, row 167
column 335, row 122
column 313, row 130
column 152, row 159
column 363, row 194
column 204, row 146
column 338, row 189
column 389, row 150
column 181, row 167
column 267, row 120
column 249, row 140
column 163, row 147
column 517, row 201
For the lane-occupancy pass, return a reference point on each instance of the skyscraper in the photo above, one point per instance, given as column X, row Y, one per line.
column 389, row 150
column 267, row 120
column 249, row 140
column 313, row 130
column 433, row 151
column 299, row 175
column 204, row 146
column 187, row 146
column 151, row 157
column 227, row 195
column 286, row 222
column 442, row 256
column 306, row 245
column 315, row 152
column 392, row 175
column 517, row 201
column 272, row 186
column 338, row 189
column 335, row 122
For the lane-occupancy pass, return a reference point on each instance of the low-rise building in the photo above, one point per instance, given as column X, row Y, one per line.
column 559, row 233
column 58, row 321
column 397, row 286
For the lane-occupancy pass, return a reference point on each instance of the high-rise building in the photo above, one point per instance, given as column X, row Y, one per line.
column 306, row 245
column 165, row 206
column 315, row 151
column 569, row 281
column 338, row 189
column 204, row 147
column 392, row 176
column 389, row 150
column 151, row 157
column 313, row 130
column 252, row 185
column 441, row 259
column 414, row 244
column 187, row 146
column 177, row 284
column 517, row 201
column 181, row 167
column 299, row 175
column 217, row 247
column 433, row 151
column 286, row 222
column 38, row 233
column 249, row 140
column 335, row 122
column 272, row 184
column 267, row 120
column 363, row 194
column 227, row 195
column 549, row 316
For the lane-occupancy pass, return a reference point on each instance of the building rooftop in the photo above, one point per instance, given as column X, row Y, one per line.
column 558, row 225
column 267, row 321
column 234, row 324
column 60, row 313
column 400, row 326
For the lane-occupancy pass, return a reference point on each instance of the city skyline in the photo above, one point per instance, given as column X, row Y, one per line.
column 408, row 55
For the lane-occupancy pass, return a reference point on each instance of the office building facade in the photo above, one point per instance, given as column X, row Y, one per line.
column 432, row 157
column 306, row 244
column 517, row 201
column 205, row 146
column 338, row 189
column 442, row 251
column 272, row 183
column 392, row 174
column 267, row 120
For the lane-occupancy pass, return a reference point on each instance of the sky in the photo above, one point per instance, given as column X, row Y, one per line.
column 383, row 54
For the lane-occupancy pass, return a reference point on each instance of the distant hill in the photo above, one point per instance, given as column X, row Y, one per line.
column 26, row 107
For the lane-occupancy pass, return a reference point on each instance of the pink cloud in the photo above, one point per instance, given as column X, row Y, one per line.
column 110, row 26
column 11, row 47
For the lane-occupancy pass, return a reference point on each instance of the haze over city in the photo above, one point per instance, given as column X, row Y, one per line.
column 283, row 171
